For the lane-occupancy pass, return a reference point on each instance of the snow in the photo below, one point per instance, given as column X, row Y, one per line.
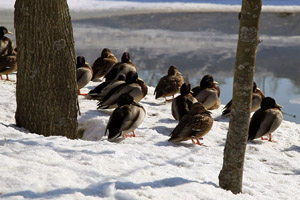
column 204, row 6
column 148, row 166
column 145, row 167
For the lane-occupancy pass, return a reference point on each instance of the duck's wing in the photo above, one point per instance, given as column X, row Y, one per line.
column 134, row 118
column 101, row 66
column 255, row 130
column 227, row 109
column 116, row 121
column 183, row 131
column 84, row 76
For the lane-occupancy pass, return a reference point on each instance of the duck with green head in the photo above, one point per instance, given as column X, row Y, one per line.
column 122, row 67
column 8, row 54
column 133, row 85
column 265, row 120
column 125, row 118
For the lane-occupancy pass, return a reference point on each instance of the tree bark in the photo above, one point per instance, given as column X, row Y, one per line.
column 231, row 175
column 46, row 90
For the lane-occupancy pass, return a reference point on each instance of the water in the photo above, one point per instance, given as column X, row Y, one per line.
column 228, row 2
column 199, row 44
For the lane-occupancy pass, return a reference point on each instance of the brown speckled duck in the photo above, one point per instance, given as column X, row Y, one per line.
column 125, row 118
column 84, row 73
column 182, row 103
column 134, row 86
column 122, row 67
column 170, row 84
column 193, row 125
column 265, row 120
column 8, row 56
column 257, row 97
column 208, row 93
column 103, row 64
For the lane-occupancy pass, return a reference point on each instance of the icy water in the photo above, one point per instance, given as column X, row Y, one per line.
column 228, row 2
column 199, row 44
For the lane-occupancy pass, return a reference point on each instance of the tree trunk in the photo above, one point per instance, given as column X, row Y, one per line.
column 46, row 89
column 231, row 175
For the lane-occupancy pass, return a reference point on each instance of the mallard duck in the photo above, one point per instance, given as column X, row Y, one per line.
column 125, row 118
column 122, row 67
column 182, row 103
column 208, row 93
column 84, row 73
column 193, row 125
column 8, row 56
column 134, row 86
column 170, row 84
column 102, row 89
column 265, row 120
column 257, row 97
column 103, row 63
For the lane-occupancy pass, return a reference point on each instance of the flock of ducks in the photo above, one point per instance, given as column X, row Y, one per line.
column 123, row 89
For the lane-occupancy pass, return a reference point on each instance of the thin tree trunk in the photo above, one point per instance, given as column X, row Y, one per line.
column 231, row 175
column 46, row 79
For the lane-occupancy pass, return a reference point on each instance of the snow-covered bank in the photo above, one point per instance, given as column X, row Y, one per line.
column 145, row 167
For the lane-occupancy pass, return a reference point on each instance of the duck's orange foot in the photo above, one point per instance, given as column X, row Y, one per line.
column 133, row 135
column 270, row 138
column 262, row 138
column 198, row 142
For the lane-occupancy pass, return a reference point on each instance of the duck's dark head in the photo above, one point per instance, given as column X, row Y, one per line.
column 172, row 70
column 80, row 61
column 254, row 87
column 185, row 89
column 125, row 57
column 121, row 77
column 124, row 99
column 105, row 52
column 131, row 77
column 3, row 31
column 269, row 102
column 207, row 81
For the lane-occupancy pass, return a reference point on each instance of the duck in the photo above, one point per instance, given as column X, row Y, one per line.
column 103, row 88
column 133, row 85
column 265, row 120
column 194, row 125
column 103, row 63
column 8, row 54
column 125, row 118
column 208, row 93
column 257, row 97
column 84, row 73
column 182, row 103
column 122, row 67
column 170, row 84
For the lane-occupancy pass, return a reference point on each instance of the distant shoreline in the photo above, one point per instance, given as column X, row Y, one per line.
column 6, row 15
